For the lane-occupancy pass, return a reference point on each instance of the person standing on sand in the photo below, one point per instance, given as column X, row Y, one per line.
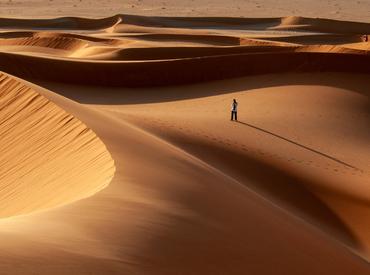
column 234, row 110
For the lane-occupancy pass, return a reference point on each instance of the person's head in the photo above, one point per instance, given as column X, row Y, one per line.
column 234, row 100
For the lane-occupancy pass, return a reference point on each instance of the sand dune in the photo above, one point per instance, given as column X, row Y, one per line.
column 259, row 142
column 323, row 25
column 48, row 156
column 131, row 113
column 176, row 55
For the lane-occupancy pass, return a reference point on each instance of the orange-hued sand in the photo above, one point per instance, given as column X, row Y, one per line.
column 44, row 153
column 339, row 9
column 118, row 155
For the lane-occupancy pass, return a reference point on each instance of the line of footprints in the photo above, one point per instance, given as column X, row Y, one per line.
column 339, row 168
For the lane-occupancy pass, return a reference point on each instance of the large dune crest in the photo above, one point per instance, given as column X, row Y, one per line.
column 80, row 23
column 48, row 157
column 134, row 51
column 285, row 190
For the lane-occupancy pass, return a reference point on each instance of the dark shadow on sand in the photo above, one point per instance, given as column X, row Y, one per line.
column 298, row 144
column 281, row 186
column 86, row 94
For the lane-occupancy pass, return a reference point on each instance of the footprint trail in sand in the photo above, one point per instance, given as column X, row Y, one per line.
column 118, row 155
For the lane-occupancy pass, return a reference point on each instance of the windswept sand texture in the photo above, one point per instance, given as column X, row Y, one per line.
column 48, row 157
column 285, row 190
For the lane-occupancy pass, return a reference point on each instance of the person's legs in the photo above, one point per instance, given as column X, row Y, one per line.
column 236, row 115
column 233, row 115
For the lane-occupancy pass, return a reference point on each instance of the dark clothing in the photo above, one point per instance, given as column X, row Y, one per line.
column 234, row 107
column 234, row 114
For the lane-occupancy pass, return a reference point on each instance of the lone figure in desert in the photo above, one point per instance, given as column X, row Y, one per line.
column 234, row 110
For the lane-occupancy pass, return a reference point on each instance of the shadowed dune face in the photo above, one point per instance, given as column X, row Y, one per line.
column 283, row 191
column 48, row 157
column 129, row 50
column 304, row 144
column 301, row 138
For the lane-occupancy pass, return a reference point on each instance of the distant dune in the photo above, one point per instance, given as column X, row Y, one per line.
column 118, row 155
column 180, row 50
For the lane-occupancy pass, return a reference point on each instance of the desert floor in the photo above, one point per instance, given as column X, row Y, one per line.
column 339, row 9
column 118, row 155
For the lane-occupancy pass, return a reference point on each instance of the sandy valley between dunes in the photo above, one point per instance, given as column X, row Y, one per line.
column 119, row 156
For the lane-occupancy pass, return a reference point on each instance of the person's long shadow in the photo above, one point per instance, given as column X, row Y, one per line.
column 296, row 143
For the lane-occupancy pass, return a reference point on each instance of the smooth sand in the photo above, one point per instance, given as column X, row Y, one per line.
column 282, row 191
column 339, row 9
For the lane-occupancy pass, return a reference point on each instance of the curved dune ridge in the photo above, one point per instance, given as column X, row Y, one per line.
column 48, row 157
column 177, row 50
column 282, row 191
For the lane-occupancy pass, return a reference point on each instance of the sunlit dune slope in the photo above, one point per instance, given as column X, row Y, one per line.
column 311, row 157
column 131, row 50
column 285, row 190
column 48, row 157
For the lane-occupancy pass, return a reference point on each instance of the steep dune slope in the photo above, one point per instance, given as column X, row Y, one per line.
column 282, row 191
column 312, row 150
column 48, row 157
column 166, row 211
